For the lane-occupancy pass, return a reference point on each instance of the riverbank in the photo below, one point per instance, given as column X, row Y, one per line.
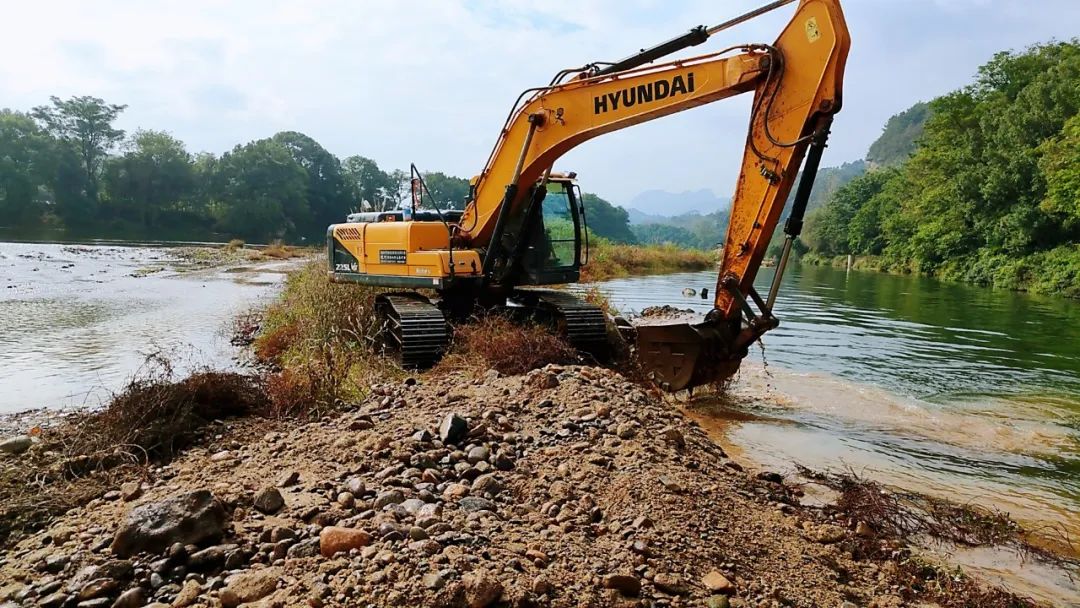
column 565, row 485
column 608, row 260
column 1055, row 272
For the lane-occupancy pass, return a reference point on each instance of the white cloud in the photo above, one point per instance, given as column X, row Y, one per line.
column 431, row 81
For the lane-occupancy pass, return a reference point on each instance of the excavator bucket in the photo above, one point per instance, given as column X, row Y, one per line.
column 679, row 354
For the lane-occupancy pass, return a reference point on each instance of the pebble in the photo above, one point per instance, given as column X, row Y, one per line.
column 671, row 584
column 481, row 589
column 716, row 582
column 16, row 445
column 453, row 428
column 334, row 539
column 625, row 584
column 475, row 503
column 248, row 587
column 268, row 501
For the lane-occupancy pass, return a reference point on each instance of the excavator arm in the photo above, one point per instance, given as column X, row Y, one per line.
column 797, row 83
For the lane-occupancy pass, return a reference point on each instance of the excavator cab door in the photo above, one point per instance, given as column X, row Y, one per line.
column 553, row 254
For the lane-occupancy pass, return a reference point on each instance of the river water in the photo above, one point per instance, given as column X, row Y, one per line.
column 953, row 390
column 77, row 321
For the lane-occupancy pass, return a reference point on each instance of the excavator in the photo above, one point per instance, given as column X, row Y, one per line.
column 524, row 225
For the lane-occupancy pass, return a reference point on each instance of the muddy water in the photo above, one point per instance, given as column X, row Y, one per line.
column 77, row 321
column 955, row 390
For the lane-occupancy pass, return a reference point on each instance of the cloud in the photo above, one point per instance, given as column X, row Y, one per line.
column 432, row 81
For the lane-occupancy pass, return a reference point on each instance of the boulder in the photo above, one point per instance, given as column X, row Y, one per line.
column 16, row 445
column 190, row 519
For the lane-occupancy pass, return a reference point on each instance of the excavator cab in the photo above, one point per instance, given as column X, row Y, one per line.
column 557, row 240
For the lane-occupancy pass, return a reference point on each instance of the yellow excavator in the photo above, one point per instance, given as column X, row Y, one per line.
column 524, row 225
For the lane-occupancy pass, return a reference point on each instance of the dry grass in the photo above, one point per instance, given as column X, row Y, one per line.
column 277, row 251
column 612, row 260
column 495, row 341
column 148, row 422
column 897, row 519
column 234, row 244
column 317, row 340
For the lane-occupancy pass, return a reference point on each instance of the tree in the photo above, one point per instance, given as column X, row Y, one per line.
column 260, row 191
column 154, row 176
column 449, row 192
column 27, row 166
column 86, row 124
column 661, row 234
column 899, row 137
column 607, row 220
column 374, row 188
column 330, row 196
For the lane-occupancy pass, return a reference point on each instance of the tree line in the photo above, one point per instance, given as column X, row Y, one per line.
column 990, row 193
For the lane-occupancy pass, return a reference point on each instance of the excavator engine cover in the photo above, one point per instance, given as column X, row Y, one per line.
column 679, row 354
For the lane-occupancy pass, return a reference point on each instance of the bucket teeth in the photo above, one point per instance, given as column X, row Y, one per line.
column 684, row 355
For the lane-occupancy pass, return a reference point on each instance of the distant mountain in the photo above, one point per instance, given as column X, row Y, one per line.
column 661, row 203
column 899, row 137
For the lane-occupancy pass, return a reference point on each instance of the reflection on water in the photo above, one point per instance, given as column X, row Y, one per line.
column 957, row 390
column 76, row 321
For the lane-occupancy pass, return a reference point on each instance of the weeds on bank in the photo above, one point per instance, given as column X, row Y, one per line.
column 902, row 518
column 317, row 341
column 147, row 422
column 609, row 260
column 495, row 341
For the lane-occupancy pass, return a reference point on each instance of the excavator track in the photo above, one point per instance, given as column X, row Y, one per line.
column 584, row 325
column 413, row 329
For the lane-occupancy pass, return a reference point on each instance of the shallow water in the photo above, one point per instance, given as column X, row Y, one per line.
column 77, row 321
column 949, row 389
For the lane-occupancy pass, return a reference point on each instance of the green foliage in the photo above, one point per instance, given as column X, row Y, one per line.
column 155, row 176
column 86, row 123
column 900, row 136
column 27, row 164
column 607, row 220
column 450, row 192
column 661, row 234
column 329, row 194
column 990, row 194
column 261, row 191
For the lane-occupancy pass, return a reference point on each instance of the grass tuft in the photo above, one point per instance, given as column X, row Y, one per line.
column 495, row 341
column 609, row 260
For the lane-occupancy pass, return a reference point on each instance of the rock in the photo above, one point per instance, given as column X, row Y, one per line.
column 434, row 580
column 770, row 477
column 16, row 445
column 481, row 589
column 642, row 521
column 188, row 595
column 671, row 484
column 541, row 586
column 334, row 539
column 97, row 588
column 453, row 428
column 389, row 497
column 625, row 431
column 422, row 436
column 288, row 478
column 864, row 530
column 55, row 600
column 207, row 559
column 671, row 584
column 475, row 503
column 248, row 587
column 132, row 598
column 478, row 454
column 111, row 495
column 673, row 436
column 625, row 584
column 487, row 484
column 268, row 501
column 827, row 534
column 130, row 491
column 305, row 548
column 455, row 491
column 716, row 582
column 346, row 500
column 190, row 519
column 718, row 601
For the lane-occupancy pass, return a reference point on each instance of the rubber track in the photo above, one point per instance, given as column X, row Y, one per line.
column 584, row 324
column 419, row 327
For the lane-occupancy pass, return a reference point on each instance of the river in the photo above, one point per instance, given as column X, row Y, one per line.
column 77, row 321
column 949, row 389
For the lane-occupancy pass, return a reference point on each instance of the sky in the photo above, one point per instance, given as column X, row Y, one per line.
column 431, row 81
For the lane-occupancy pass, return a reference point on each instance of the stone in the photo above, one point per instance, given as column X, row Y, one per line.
column 642, row 521
column 453, row 428
column 716, row 582
column 335, row 539
column 455, row 491
column 305, row 548
column 864, row 530
column 671, row 484
column 673, row 436
column 55, row 600
column 389, row 497
column 132, row 598
column 625, row 431
column 346, row 500
column 16, row 445
column 97, row 588
column 481, row 589
column 249, row 586
column 189, row 594
column 827, row 534
column 207, row 559
column 190, row 519
column 268, row 501
column 475, row 503
column 625, row 584
column 541, row 586
column 288, row 478
column 356, row 486
column 718, row 601
column 130, row 491
column 478, row 454
column 487, row 484
column 671, row 584
column 433, row 580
